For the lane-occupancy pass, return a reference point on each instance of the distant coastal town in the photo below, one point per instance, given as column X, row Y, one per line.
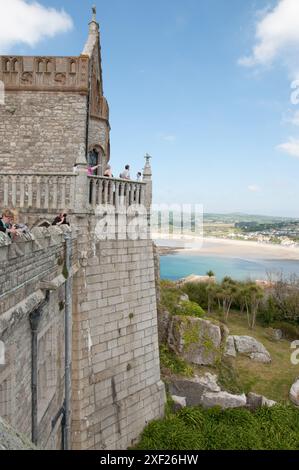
column 244, row 227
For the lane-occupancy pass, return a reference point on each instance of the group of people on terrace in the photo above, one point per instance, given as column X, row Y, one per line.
column 10, row 226
column 124, row 175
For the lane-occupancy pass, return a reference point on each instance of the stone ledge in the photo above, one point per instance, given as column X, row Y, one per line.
column 39, row 239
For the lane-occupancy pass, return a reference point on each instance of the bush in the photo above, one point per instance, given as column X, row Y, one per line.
column 289, row 330
column 197, row 293
column 189, row 309
column 170, row 296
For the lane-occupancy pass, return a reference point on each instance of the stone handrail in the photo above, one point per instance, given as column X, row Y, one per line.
column 37, row 190
column 116, row 191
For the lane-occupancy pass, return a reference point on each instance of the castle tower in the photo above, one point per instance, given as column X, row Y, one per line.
column 55, row 116
column 54, row 110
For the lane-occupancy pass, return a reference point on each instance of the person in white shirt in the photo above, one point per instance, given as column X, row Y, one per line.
column 139, row 176
column 125, row 175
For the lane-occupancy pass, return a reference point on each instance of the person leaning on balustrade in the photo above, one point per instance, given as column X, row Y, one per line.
column 7, row 223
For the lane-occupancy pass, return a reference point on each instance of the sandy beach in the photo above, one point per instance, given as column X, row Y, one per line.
column 230, row 248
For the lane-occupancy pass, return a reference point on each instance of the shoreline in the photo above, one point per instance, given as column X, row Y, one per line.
column 224, row 247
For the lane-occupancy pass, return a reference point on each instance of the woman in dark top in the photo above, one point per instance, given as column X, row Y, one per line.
column 61, row 219
column 6, row 223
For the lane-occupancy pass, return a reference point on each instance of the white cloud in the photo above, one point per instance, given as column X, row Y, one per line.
column 277, row 34
column 254, row 188
column 28, row 22
column 291, row 147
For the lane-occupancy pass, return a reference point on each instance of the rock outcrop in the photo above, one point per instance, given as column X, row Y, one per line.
column 250, row 347
column 198, row 341
column 255, row 401
column 223, row 399
column 230, row 350
column 195, row 279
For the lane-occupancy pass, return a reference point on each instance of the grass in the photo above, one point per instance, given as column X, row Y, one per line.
column 271, row 380
column 237, row 429
column 171, row 364
column 242, row 374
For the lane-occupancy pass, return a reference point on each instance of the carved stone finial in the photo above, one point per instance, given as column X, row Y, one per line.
column 148, row 159
column 94, row 13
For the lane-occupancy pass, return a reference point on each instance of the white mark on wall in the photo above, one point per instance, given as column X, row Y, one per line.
column 2, row 353
column 2, row 93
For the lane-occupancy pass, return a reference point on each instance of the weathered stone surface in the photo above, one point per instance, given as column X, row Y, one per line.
column 179, row 402
column 12, row 440
column 193, row 389
column 274, row 334
column 194, row 279
column 294, row 393
column 184, row 298
column 260, row 357
column 223, row 399
column 252, row 348
column 163, row 325
column 255, row 401
column 230, row 350
column 209, row 381
column 198, row 341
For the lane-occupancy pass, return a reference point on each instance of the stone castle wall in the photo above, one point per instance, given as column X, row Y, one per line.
column 39, row 137
column 117, row 388
column 27, row 267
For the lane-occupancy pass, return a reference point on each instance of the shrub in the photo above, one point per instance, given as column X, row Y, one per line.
column 197, row 293
column 289, row 330
column 189, row 309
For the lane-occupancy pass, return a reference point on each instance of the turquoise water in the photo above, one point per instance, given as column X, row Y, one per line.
column 180, row 265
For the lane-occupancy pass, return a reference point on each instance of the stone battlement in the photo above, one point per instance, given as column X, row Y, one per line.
column 45, row 73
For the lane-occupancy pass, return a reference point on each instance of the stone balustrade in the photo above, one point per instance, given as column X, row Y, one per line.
column 116, row 192
column 37, row 190
column 48, row 191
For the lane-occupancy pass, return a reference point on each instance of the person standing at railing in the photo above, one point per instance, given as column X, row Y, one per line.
column 139, row 177
column 91, row 170
column 125, row 175
column 6, row 223
column 108, row 172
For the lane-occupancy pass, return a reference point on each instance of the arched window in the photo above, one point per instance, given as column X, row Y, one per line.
column 72, row 66
column 40, row 66
column 7, row 65
column 14, row 65
column 49, row 66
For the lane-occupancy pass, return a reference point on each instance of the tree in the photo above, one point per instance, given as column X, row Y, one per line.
column 227, row 294
column 212, row 290
column 253, row 295
column 210, row 274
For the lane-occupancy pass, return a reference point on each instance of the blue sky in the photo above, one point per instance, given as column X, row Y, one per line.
column 178, row 90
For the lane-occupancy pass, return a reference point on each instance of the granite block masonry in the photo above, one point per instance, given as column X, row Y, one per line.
column 56, row 116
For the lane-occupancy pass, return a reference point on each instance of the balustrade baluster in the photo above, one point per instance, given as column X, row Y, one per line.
column 117, row 188
column 55, row 192
column 99, row 199
column 14, row 191
column 38, row 200
column 137, row 194
column 106, row 187
column 22, row 192
column 30, row 192
column 62, row 191
column 6, row 190
column 46, row 196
